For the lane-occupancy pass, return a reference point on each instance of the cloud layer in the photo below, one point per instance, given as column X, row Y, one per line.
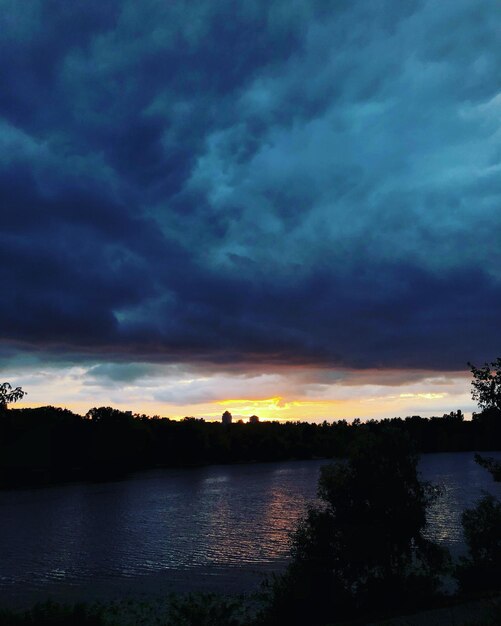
column 287, row 182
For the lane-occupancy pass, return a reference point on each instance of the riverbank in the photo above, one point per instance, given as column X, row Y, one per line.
column 48, row 445
column 223, row 610
column 484, row 611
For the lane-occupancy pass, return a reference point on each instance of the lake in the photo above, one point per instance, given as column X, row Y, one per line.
column 216, row 528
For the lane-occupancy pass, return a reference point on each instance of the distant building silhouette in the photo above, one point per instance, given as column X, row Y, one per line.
column 253, row 419
column 226, row 417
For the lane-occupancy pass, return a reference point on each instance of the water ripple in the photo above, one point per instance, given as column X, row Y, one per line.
column 171, row 520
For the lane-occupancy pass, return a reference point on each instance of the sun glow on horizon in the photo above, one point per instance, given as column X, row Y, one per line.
column 308, row 394
column 274, row 407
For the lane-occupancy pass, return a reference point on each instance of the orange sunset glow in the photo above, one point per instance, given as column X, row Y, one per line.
column 366, row 395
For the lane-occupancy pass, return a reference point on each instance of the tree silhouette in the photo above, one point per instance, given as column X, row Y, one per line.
column 481, row 569
column 364, row 550
column 8, row 394
column 487, row 385
column 491, row 465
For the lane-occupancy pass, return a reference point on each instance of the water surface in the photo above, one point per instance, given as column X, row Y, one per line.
column 211, row 528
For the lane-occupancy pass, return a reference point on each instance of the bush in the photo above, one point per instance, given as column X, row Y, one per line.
column 481, row 569
column 52, row 614
column 363, row 551
column 491, row 465
column 206, row 610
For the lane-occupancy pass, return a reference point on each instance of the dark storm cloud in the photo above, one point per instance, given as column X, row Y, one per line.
column 287, row 182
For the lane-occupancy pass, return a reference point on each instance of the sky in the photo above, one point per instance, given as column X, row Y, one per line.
column 283, row 207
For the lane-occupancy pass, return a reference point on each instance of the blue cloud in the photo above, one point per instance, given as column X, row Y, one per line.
column 283, row 182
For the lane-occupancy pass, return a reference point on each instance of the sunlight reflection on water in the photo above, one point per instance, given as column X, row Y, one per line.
column 231, row 517
column 462, row 482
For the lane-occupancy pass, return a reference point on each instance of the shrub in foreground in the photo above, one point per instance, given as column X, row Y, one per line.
column 363, row 552
column 53, row 614
column 481, row 569
column 200, row 609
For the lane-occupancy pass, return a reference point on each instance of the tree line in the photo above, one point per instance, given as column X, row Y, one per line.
column 52, row 444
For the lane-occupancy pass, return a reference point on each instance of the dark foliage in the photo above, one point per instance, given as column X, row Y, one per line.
column 363, row 552
column 481, row 569
column 206, row 610
column 491, row 465
column 50, row 444
column 487, row 385
column 8, row 395
column 52, row 614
